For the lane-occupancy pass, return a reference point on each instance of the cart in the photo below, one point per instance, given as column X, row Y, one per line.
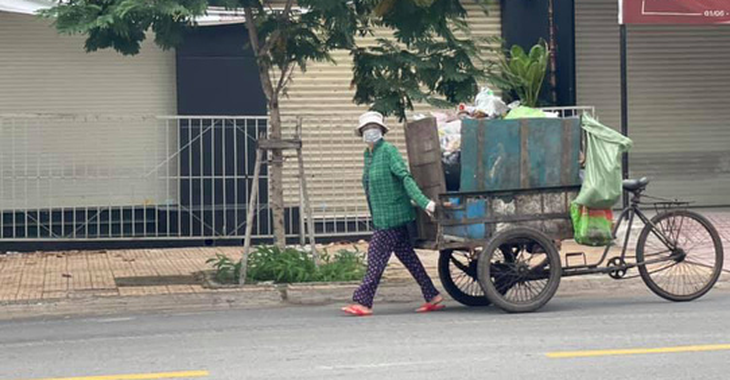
column 501, row 245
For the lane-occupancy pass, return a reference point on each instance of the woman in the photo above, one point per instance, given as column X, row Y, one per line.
column 390, row 189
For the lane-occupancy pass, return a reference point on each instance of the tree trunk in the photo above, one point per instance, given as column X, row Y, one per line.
column 276, row 176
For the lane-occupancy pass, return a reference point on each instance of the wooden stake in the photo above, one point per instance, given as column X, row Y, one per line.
column 252, row 204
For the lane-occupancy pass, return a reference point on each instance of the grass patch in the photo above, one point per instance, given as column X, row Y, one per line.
column 290, row 265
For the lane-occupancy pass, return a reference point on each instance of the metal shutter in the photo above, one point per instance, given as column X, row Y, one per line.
column 90, row 123
column 679, row 85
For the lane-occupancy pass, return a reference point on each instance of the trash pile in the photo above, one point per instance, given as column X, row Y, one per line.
column 486, row 105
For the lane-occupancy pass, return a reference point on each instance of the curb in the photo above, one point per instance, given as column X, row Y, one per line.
column 273, row 296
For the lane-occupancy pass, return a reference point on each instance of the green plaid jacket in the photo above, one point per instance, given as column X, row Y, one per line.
column 390, row 187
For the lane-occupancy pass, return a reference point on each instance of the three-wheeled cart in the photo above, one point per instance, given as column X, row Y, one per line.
column 499, row 236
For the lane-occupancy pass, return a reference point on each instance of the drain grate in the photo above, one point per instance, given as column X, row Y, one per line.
column 156, row 280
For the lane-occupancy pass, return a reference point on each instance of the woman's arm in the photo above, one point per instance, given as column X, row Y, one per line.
column 399, row 169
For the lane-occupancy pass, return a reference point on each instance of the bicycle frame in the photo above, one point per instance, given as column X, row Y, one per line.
column 633, row 210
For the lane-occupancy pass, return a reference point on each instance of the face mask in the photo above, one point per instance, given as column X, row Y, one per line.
column 372, row 135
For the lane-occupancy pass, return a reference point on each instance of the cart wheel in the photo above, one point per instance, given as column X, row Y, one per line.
column 524, row 277
column 458, row 273
column 686, row 268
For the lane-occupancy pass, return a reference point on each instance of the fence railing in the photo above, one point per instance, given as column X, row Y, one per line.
column 70, row 177
column 103, row 177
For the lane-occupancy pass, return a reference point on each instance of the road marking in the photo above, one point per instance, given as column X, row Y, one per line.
column 637, row 351
column 113, row 320
column 138, row 376
column 371, row 366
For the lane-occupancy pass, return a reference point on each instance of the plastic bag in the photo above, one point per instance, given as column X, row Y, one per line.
column 452, row 170
column 522, row 112
column 591, row 227
column 602, row 178
column 489, row 104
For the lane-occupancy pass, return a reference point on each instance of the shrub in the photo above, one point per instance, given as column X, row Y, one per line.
column 269, row 263
column 226, row 270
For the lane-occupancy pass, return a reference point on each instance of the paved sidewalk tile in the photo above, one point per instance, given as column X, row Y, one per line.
column 75, row 274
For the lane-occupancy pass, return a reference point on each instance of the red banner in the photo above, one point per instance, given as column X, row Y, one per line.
column 674, row 12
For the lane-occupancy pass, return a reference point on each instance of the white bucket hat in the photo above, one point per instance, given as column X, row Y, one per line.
column 371, row 117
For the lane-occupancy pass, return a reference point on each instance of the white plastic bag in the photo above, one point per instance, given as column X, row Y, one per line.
column 489, row 104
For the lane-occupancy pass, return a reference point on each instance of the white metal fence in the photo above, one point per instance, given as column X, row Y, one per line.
column 68, row 177
column 86, row 177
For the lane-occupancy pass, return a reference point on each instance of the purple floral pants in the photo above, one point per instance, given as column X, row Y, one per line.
column 382, row 244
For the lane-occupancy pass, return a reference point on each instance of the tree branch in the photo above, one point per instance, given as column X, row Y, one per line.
column 288, row 6
column 270, row 42
column 285, row 76
column 261, row 60
column 252, row 32
column 275, row 35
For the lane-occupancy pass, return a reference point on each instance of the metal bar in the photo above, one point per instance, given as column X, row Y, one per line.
column 2, row 180
column 235, row 176
column 168, row 197
column 628, row 233
column 14, row 140
column 25, row 179
column 211, row 117
column 624, row 106
column 109, row 190
column 212, row 173
column 121, row 207
column 225, row 184
column 258, row 211
column 98, row 178
column 86, row 204
column 157, row 190
column 190, row 175
column 505, row 219
column 136, row 239
column 511, row 192
column 202, row 180
column 39, row 157
column 178, row 181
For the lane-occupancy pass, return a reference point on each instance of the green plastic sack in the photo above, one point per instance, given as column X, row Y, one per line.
column 523, row 112
column 591, row 227
column 602, row 180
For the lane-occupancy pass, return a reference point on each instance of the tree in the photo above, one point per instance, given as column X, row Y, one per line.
column 425, row 62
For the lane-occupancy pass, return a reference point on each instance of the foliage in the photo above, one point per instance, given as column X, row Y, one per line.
column 343, row 266
column 271, row 263
column 226, row 270
column 522, row 74
column 289, row 265
column 424, row 62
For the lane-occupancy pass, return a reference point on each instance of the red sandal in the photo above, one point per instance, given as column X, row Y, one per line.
column 357, row 310
column 431, row 306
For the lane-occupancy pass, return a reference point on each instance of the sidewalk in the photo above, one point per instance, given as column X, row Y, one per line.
column 43, row 276
column 47, row 277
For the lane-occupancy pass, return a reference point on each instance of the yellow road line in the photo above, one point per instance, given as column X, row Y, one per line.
column 138, row 376
column 637, row 351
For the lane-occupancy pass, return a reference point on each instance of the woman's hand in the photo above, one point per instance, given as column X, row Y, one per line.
column 431, row 209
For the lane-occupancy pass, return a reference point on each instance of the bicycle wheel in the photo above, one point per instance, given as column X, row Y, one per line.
column 686, row 264
column 524, row 277
column 458, row 274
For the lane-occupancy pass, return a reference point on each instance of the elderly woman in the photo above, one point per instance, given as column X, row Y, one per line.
column 390, row 189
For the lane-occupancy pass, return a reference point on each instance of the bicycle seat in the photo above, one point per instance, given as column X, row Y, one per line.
column 635, row 184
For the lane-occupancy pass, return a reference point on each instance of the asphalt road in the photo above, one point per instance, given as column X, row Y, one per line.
column 320, row 343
